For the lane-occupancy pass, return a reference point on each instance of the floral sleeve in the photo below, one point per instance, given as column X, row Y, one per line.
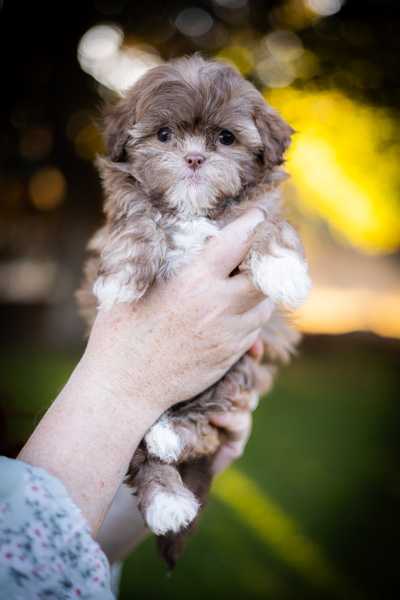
column 46, row 550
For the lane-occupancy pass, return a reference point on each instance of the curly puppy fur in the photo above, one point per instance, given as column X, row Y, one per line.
column 188, row 148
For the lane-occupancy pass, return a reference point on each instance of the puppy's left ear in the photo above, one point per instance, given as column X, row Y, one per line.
column 275, row 134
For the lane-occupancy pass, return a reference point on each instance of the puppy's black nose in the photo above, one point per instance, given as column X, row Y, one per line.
column 195, row 160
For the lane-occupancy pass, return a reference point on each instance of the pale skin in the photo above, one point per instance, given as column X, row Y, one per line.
column 140, row 359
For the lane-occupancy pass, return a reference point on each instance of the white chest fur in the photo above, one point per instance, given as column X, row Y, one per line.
column 188, row 238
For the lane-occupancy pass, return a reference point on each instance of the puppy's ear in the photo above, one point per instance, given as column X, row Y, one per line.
column 275, row 134
column 115, row 125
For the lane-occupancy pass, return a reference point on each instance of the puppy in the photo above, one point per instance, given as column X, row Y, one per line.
column 190, row 147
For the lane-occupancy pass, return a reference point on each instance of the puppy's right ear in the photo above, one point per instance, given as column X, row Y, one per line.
column 115, row 125
column 275, row 133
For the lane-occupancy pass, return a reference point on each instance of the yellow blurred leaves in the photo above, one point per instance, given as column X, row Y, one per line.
column 345, row 164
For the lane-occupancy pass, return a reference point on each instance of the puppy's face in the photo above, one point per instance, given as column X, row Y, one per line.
column 192, row 167
column 195, row 134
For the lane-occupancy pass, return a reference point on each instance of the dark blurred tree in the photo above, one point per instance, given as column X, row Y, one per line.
column 43, row 83
column 43, row 86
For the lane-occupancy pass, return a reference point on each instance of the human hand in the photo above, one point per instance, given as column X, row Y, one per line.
column 235, row 432
column 183, row 335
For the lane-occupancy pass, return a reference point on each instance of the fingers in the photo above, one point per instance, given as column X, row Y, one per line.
column 258, row 316
column 225, row 456
column 233, row 243
column 236, row 427
column 243, row 293
column 257, row 350
column 235, row 423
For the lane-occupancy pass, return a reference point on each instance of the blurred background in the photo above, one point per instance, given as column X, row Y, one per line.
column 312, row 509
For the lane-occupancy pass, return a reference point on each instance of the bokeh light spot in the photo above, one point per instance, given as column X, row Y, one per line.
column 230, row 3
column 194, row 22
column 324, row 8
column 99, row 44
column 88, row 142
column 283, row 45
column 47, row 189
column 102, row 55
column 304, row 66
column 238, row 57
column 77, row 121
column 272, row 73
column 215, row 37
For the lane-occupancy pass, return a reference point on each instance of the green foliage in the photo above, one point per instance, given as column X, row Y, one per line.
column 323, row 458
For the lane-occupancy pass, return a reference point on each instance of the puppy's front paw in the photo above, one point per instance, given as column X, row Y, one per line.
column 162, row 442
column 112, row 289
column 171, row 512
column 283, row 277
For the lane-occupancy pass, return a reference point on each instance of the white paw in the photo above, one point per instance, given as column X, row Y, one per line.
column 112, row 290
column 283, row 277
column 162, row 441
column 171, row 512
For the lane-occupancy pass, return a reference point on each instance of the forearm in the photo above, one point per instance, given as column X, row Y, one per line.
column 88, row 437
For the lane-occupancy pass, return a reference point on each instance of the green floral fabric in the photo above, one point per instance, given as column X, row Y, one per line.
column 46, row 550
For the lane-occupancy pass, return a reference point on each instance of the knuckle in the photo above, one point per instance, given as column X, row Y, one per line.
column 243, row 236
column 248, row 286
column 194, row 280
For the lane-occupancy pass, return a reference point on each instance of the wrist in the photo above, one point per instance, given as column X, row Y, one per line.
column 121, row 364
column 118, row 387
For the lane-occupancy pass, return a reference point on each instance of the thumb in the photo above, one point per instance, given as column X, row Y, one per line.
column 228, row 249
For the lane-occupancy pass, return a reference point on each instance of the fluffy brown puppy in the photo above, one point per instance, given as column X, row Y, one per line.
column 190, row 147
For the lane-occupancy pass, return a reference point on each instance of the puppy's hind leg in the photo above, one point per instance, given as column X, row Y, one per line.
column 164, row 440
column 163, row 500
column 197, row 476
column 178, row 436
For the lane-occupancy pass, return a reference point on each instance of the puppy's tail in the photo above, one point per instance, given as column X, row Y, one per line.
column 197, row 476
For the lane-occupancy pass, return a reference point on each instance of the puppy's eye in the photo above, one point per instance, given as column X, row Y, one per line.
column 165, row 134
column 226, row 138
